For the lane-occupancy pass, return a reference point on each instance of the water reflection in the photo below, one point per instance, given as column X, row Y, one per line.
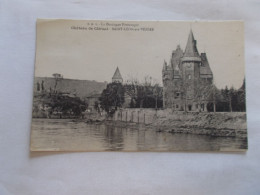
column 79, row 136
column 113, row 138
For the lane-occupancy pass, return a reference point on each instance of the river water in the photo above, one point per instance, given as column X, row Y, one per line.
column 69, row 135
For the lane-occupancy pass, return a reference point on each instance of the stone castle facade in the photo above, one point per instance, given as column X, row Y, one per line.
column 187, row 79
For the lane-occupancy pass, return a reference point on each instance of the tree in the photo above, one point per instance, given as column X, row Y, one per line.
column 64, row 104
column 214, row 99
column 157, row 94
column 42, row 85
column 241, row 97
column 226, row 100
column 211, row 95
column 229, row 99
column 225, row 106
column 145, row 94
column 131, row 88
column 57, row 77
column 112, row 97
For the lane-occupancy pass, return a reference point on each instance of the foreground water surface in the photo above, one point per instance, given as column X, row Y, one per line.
column 69, row 135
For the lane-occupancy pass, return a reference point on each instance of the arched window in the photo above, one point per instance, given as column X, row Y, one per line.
column 189, row 77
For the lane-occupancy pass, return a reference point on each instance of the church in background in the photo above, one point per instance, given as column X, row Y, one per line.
column 117, row 76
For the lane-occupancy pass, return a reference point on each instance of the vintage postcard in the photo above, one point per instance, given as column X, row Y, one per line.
column 139, row 86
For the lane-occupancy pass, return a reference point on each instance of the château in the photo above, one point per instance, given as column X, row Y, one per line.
column 186, row 79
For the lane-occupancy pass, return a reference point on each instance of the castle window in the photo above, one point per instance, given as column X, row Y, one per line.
column 177, row 106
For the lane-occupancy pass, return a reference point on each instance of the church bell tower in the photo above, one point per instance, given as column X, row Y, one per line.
column 117, row 78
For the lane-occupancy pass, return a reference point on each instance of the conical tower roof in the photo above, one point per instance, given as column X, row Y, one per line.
column 117, row 76
column 191, row 47
column 176, row 57
column 205, row 71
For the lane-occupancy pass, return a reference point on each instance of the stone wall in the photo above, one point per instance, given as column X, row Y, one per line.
column 136, row 115
column 142, row 115
column 167, row 119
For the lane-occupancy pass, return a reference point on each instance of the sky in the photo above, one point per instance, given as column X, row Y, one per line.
column 94, row 54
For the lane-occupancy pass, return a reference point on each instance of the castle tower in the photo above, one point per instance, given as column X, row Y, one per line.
column 167, row 76
column 191, row 48
column 186, row 79
column 190, row 66
column 117, row 76
column 191, row 60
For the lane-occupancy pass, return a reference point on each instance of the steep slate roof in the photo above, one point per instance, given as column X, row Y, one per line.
column 205, row 71
column 82, row 88
column 117, row 74
column 176, row 57
column 191, row 48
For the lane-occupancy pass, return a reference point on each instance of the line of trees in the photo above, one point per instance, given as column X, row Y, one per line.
column 228, row 100
column 148, row 94
column 223, row 100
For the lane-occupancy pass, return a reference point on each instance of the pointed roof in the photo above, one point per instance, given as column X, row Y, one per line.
column 191, row 47
column 117, row 74
column 205, row 71
column 176, row 57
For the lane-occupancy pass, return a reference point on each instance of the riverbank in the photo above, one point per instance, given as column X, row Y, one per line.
column 219, row 124
column 226, row 124
column 77, row 135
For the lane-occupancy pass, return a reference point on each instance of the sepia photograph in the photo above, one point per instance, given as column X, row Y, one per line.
column 155, row 86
